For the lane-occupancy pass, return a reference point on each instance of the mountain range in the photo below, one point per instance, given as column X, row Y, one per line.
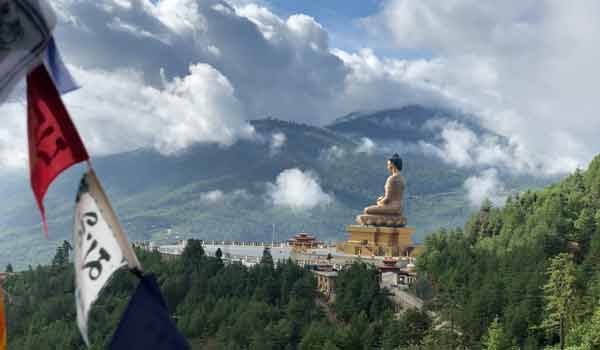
column 210, row 191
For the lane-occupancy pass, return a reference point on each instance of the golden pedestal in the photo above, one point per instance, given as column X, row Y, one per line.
column 377, row 240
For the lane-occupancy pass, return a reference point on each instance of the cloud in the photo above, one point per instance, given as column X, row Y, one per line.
column 373, row 83
column 528, row 68
column 297, row 190
column 212, row 196
column 148, row 66
column 278, row 66
column 460, row 146
column 366, row 146
column 485, row 186
column 117, row 111
column 278, row 140
column 13, row 140
column 332, row 153
column 216, row 196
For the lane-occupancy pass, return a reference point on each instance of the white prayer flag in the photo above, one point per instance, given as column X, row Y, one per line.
column 101, row 247
column 25, row 31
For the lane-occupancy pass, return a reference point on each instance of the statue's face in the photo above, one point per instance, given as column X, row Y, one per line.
column 390, row 166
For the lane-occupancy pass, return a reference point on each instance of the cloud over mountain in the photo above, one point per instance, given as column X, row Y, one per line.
column 297, row 190
column 486, row 185
column 528, row 68
column 118, row 111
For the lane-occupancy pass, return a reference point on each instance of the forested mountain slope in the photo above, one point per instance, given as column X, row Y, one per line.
column 217, row 306
column 534, row 265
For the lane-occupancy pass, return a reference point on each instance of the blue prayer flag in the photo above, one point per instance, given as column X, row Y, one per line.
column 61, row 76
column 146, row 323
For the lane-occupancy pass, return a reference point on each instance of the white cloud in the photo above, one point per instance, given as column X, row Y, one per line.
column 366, row 146
column 213, row 196
column 117, row 111
column 278, row 66
column 462, row 147
column 278, row 140
column 216, row 196
column 528, row 68
column 372, row 83
column 13, row 140
column 297, row 190
column 235, row 62
column 485, row 186
column 333, row 153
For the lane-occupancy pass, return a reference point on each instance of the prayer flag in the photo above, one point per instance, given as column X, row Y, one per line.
column 101, row 247
column 25, row 31
column 63, row 80
column 54, row 144
column 146, row 323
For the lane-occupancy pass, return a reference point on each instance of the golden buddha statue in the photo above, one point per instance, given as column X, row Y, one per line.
column 388, row 210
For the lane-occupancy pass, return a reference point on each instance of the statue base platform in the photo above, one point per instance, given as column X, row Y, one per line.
column 378, row 241
column 381, row 220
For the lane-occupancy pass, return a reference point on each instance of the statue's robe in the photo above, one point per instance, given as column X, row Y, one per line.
column 391, row 202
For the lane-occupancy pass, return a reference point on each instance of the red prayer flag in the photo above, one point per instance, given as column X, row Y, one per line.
column 54, row 144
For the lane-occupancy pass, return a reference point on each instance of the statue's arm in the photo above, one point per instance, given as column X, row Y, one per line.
column 385, row 199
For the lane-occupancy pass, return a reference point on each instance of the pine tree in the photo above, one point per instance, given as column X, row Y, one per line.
column 496, row 339
column 192, row 255
column 559, row 295
column 591, row 340
column 59, row 257
column 267, row 258
column 9, row 268
column 67, row 247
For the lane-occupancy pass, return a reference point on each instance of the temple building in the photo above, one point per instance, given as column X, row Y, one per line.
column 303, row 241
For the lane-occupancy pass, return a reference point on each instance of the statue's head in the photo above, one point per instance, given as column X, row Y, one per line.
column 396, row 162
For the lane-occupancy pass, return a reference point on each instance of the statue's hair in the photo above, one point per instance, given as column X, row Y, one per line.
column 396, row 161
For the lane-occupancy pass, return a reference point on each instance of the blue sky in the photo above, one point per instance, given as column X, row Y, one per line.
column 341, row 20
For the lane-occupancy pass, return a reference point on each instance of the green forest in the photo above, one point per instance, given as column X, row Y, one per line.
column 216, row 306
column 524, row 276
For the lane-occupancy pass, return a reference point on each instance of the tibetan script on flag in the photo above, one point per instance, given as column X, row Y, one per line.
column 25, row 31
column 101, row 247
column 54, row 143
